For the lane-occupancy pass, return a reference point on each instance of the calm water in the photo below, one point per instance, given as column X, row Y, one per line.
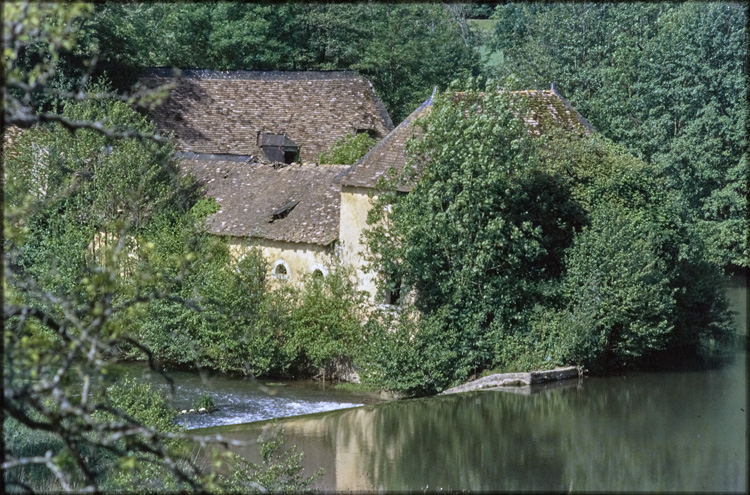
column 678, row 431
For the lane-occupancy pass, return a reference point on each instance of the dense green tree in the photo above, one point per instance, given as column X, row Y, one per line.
column 480, row 237
column 323, row 323
column 99, row 222
column 520, row 253
column 666, row 80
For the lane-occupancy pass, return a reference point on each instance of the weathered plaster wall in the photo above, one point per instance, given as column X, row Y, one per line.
column 298, row 258
column 355, row 204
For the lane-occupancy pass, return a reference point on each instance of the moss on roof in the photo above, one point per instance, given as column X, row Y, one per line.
column 543, row 110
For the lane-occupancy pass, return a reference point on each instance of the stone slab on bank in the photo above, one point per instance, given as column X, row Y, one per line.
column 516, row 379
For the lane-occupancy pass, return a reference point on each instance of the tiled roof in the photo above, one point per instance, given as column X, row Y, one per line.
column 222, row 112
column 549, row 109
column 389, row 155
column 251, row 197
column 546, row 109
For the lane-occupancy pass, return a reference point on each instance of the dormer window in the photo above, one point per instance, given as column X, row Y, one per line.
column 278, row 147
column 283, row 210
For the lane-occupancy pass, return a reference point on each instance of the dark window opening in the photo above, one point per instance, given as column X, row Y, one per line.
column 392, row 291
column 291, row 156
column 280, row 270
column 278, row 147
column 317, row 274
column 283, row 210
column 370, row 132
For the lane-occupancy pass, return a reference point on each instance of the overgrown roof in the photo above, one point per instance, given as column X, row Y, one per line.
column 294, row 203
column 546, row 109
column 222, row 112
column 389, row 155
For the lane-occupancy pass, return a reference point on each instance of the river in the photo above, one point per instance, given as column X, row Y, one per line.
column 670, row 431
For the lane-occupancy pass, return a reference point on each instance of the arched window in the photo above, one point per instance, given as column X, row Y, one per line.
column 319, row 270
column 280, row 270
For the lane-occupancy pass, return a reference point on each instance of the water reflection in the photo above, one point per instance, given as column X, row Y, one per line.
column 681, row 431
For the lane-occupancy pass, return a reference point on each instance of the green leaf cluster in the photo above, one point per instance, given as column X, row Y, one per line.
column 523, row 253
column 666, row 80
column 322, row 323
column 347, row 150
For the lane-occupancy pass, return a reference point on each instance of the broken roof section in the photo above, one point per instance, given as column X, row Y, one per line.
column 222, row 112
column 545, row 110
column 295, row 203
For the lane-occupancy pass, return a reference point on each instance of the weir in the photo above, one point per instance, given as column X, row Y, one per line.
column 501, row 380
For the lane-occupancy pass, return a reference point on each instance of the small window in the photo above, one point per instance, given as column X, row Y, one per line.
column 319, row 270
column 392, row 292
column 280, row 270
column 370, row 132
column 392, row 298
column 291, row 156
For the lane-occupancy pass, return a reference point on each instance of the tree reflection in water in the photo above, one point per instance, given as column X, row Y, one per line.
column 664, row 431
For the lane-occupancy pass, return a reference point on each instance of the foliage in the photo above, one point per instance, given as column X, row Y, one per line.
column 480, row 237
column 75, row 266
column 666, row 80
column 237, row 324
column 99, row 223
column 677, row 287
column 412, row 355
column 522, row 254
column 278, row 472
column 323, row 321
column 347, row 150
column 142, row 471
column 620, row 290
column 205, row 401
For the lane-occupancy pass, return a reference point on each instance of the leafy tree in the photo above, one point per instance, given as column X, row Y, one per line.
column 91, row 194
column 323, row 322
column 522, row 253
column 347, row 150
column 665, row 80
column 480, row 237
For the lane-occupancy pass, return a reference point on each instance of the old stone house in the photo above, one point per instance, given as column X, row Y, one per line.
column 253, row 139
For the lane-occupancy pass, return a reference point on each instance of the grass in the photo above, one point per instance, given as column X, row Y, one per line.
column 484, row 29
column 356, row 387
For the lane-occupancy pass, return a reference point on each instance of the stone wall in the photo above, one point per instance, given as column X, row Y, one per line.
column 298, row 259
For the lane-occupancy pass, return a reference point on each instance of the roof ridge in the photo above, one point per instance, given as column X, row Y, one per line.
column 253, row 74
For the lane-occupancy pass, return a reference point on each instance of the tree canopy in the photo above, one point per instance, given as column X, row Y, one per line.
column 666, row 80
column 523, row 252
